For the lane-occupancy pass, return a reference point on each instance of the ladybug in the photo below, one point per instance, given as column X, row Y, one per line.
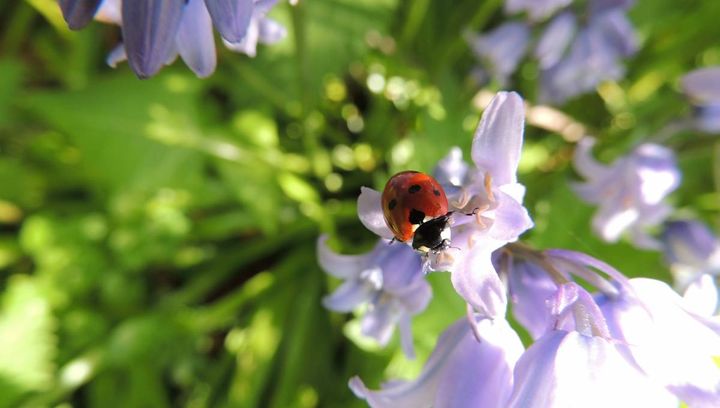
column 415, row 208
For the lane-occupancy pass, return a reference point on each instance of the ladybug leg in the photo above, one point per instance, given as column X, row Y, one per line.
column 393, row 240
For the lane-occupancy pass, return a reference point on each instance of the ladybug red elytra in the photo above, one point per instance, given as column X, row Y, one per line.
column 415, row 207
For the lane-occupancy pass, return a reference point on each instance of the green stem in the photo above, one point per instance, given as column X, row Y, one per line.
column 478, row 21
column 533, row 255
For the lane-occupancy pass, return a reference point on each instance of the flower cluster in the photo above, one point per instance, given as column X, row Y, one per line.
column 607, row 348
column 487, row 190
column 573, row 58
column 630, row 192
column 155, row 32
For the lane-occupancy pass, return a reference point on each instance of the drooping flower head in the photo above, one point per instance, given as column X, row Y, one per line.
column 630, row 192
column 155, row 32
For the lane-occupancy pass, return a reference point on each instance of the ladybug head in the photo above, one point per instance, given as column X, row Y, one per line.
column 433, row 235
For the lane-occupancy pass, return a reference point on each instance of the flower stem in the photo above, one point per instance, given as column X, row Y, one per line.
column 533, row 255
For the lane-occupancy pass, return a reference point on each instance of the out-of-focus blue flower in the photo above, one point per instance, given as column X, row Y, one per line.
column 155, row 32
column 693, row 253
column 388, row 280
column 490, row 192
column 501, row 50
column 531, row 290
column 673, row 346
column 462, row 371
column 629, row 192
column 702, row 87
column 595, row 56
column 573, row 57
column 536, row 9
column 576, row 363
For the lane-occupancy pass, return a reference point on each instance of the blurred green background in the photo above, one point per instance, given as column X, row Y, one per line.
column 157, row 237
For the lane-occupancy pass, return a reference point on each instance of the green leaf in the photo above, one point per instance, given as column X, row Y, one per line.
column 27, row 341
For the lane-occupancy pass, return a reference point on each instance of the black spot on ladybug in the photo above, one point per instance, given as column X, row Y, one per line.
column 414, row 188
column 436, row 192
column 416, row 217
column 392, row 203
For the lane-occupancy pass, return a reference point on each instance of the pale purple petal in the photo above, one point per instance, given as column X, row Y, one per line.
column 655, row 322
column 657, row 172
column 195, row 41
column 78, row 13
column 248, row 45
column 502, row 49
column 555, row 39
column 380, row 320
column 567, row 369
column 481, row 373
column 231, row 17
column 149, row 28
column 530, row 291
column 701, row 296
column 536, row 9
column 270, row 31
column 371, row 214
column 585, row 163
column 461, row 372
column 476, row 280
column 599, row 6
column 497, row 142
column 351, row 294
column 689, row 242
column 452, row 170
column 341, row 266
column 618, row 32
column 116, row 56
column 510, row 218
column 702, row 85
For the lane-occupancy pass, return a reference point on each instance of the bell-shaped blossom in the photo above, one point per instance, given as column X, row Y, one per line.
column 702, row 87
column 488, row 193
column 630, row 192
column 536, row 9
column 693, row 253
column 462, row 371
column 501, row 50
column 673, row 346
column 388, row 281
column 576, row 364
column 155, row 32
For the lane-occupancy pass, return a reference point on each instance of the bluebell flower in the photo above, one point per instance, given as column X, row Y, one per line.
column 576, row 363
column 630, row 192
column 155, row 32
column 702, row 87
column 693, row 253
column 388, row 281
column 501, row 50
column 490, row 191
column 466, row 369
